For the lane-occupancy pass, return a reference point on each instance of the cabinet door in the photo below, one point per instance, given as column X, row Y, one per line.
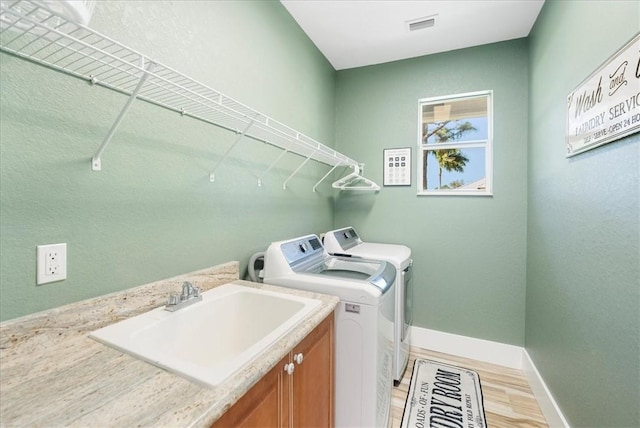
column 265, row 405
column 313, row 381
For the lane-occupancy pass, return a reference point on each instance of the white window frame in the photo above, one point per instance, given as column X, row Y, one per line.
column 487, row 145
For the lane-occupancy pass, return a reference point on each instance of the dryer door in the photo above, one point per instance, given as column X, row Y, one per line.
column 407, row 286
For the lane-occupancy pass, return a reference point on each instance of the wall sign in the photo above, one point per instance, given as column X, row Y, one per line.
column 606, row 106
column 397, row 167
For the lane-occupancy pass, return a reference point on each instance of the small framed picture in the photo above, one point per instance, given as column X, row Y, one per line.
column 397, row 167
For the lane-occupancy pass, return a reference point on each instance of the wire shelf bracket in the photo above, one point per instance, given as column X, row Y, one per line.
column 212, row 175
column 325, row 176
column 96, row 163
column 284, row 185
column 271, row 166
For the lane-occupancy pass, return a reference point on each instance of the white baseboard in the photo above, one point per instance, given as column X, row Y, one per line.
column 468, row 347
column 549, row 407
column 502, row 354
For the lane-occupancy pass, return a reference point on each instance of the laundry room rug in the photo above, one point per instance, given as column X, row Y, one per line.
column 443, row 396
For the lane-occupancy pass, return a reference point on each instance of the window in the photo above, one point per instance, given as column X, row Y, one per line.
column 455, row 145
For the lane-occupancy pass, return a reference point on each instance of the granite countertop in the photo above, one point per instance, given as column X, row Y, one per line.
column 53, row 374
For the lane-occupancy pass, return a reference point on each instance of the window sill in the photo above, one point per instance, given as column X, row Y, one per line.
column 453, row 193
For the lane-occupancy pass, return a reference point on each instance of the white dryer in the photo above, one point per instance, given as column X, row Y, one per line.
column 346, row 242
column 363, row 322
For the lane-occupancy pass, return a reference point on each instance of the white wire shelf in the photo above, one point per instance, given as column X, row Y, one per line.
column 28, row 29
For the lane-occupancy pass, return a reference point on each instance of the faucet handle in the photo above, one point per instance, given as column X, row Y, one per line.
column 189, row 295
column 174, row 299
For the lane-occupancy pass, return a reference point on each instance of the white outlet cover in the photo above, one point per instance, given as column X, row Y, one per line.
column 58, row 257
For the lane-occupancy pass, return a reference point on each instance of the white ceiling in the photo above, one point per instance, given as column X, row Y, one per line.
column 355, row 33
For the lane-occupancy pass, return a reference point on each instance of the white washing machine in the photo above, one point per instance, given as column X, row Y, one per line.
column 346, row 242
column 363, row 322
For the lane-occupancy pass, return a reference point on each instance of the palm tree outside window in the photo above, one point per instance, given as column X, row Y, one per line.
column 455, row 145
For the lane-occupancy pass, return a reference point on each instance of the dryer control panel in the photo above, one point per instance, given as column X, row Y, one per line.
column 347, row 238
column 301, row 249
column 344, row 238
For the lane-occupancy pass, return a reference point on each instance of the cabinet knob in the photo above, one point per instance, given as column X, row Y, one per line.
column 289, row 368
column 298, row 358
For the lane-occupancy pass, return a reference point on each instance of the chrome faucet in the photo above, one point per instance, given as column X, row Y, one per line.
column 188, row 291
column 189, row 296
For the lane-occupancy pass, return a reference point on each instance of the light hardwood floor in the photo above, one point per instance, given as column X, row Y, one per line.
column 508, row 400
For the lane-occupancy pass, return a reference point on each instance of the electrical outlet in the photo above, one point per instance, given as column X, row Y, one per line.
column 51, row 263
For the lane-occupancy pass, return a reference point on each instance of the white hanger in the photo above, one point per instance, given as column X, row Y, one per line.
column 355, row 181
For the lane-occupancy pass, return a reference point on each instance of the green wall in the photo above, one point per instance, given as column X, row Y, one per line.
column 469, row 251
column 583, row 276
column 558, row 241
column 151, row 212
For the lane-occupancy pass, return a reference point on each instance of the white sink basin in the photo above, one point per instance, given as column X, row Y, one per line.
column 210, row 340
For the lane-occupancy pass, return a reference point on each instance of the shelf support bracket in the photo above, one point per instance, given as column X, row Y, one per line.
column 96, row 164
column 284, row 185
column 271, row 166
column 212, row 175
column 325, row 176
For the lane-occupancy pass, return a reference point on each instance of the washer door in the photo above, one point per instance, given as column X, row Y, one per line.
column 376, row 272
column 343, row 273
column 353, row 267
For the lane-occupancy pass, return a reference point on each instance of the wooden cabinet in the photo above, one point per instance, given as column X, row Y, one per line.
column 312, row 398
column 286, row 397
column 262, row 405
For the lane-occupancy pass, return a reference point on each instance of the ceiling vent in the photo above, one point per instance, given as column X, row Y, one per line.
column 421, row 23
